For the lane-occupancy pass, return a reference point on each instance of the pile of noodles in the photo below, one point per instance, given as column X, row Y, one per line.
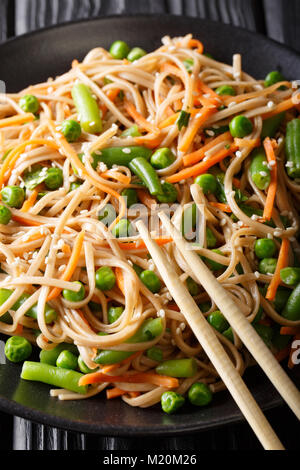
column 36, row 246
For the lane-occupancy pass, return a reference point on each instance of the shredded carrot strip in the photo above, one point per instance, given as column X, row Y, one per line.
column 30, row 201
column 120, row 279
column 194, row 127
column 113, row 93
column 14, row 155
column 254, row 94
column 139, row 119
column 19, row 119
column 149, row 140
column 271, row 194
column 72, row 265
column 173, row 70
column 169, row 121
column 19, row 329
column 283, row 354
column 114, row 393
column 26, row 222
column 195, row 157
column 145, row 198
column 202, row 167
column 66, row 249
column 144, row 377
column 236, row 183
column 280, row 108
column 222, row 207
column 205, row 89
column 289, row 330
column 195, row 43
column 283, row 261
column 116, row 175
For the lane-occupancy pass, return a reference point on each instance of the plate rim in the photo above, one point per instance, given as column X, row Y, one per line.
column 13, row 408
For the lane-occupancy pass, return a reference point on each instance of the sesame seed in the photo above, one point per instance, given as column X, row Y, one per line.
column 126, row 150
column 178, row 331
column 270, row 104
column 238, row 154
column 62, row 268
column 161, row 313
column 257, row 274
column 210, row 132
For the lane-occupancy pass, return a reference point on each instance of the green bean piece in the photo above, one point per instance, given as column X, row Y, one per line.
column 131, row 197
column 171, row 402
column 169, row 194
column 189, row 220
column 183, row 120
column 105, row 278
column 35, row 176
column 50, row 313
column 114, row 314
column 55, row 376
column 107, row 215
column 180, row 368
column 5, row 215
column 135, row 54
column 226, row 90
column 84, row 368
column 200, row 394
column 122, row 156
column 112, row 357
column 189, row 65
column 265, row 332
column 67, row 360
column 273, row 77
column 132, row 131
column 87, row 109
column 72, row 296
column 29, row 104
column 229, row 334
column 281, row 298
column 122, row 229
column 50, row 357
column 207, row 182
column 215, row 131
column 55, row 179
column 145, row 171
column 155, row 354
column 193, row 287
column 290, row 276
column 271, row 125
column 214, row 265
column 265, row 248
column 162, row 158
column 211, row 240
column 151, row 281
column 205, row 307
column 17, row 349
column 13, row 196
column 267, row 265
column 119, row 50
column 240, row 126
column 218, row 321
column 259, row 170
column 71, row 130
column 292, row 309
column 292, row 148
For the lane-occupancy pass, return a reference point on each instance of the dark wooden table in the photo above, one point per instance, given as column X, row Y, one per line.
column 279, row 19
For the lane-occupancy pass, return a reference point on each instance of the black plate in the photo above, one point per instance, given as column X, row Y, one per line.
column 33, row 58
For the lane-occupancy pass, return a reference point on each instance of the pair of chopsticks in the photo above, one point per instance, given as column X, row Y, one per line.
column 209, row 341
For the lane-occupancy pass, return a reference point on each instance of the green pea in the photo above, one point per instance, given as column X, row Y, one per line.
column 169, row 194
column 55, row 178
column 200, row 394
column 205, row 307
column 13, row 196
column 193, row 287
column 135, row 54
column 265, row 248
column 265, row 332
column 105, row 278
column 123, row 229
column 290, row 276
column 211, row 240
column 267, row 265
column 162, row 158
column 218, row 321
column 83, row 367
column 114, row 314
column 50, row 357
column 72, row 296
column 181, row 368
column 29, row 104
column 5, row 215
column 74, row 186
column 17, row 349
column 171, row 402
column 273, row 77
column 131, row 196
column 229, row 334
column 133, row 131
column 240, row 126
column 67, row 360
column 71, row 130
column 226, row 90
column 119, row 50
column 155, row 354
column 151, row 281
column 207, row 182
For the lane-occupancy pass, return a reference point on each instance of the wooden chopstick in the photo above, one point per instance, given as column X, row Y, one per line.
column 211, row 345
column 237, row 320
